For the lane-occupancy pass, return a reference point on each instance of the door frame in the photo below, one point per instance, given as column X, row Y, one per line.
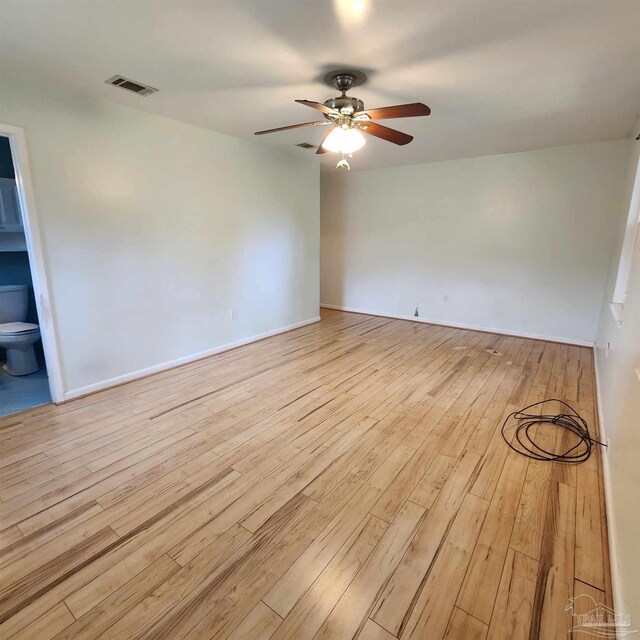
column 28, row 210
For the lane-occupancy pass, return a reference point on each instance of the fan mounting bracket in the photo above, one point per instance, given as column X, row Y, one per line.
column 344, row 79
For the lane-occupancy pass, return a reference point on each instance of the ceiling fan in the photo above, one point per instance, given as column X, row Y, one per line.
column 348, row 118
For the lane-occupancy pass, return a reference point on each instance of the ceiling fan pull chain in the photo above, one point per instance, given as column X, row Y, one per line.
column 343, row 164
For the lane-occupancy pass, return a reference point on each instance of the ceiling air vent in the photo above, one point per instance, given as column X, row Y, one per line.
column 131, row 85
column 305, row 145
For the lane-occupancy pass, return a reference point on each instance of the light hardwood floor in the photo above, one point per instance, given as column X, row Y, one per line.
column 344, row 480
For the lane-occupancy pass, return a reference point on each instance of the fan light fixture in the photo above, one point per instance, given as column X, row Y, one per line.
column 345, row 117
column 344, row 139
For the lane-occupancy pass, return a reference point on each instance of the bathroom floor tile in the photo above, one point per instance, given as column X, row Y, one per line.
column 22, row 392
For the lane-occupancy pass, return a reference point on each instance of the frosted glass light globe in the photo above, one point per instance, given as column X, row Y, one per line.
column 344, row 140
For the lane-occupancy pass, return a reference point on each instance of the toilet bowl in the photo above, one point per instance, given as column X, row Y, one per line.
column 17, row 336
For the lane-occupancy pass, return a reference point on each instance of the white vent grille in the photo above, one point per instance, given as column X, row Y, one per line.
column 131, row 85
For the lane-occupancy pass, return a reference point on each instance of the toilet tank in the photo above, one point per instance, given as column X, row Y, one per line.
column 14, row 303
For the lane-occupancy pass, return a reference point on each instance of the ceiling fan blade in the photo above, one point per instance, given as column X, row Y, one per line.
column 398, row 111
column 319, row 106
column 320, row 148
column 390, row 135
column 292, row 126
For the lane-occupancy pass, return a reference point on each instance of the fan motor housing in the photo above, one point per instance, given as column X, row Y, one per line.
column 345, row 104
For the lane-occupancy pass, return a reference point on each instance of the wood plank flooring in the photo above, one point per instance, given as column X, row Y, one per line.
column 344, row 480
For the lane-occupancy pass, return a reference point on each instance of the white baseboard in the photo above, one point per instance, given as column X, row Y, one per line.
column 457, row 325
column 616, row 586
column 141, row 373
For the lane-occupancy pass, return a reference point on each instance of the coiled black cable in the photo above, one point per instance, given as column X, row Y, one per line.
column 572, row 422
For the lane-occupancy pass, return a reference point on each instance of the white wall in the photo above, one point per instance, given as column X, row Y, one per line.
column 518, row 243
column 153, row 230
column 619, row 403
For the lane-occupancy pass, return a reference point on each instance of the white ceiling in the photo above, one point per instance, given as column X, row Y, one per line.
column 499, row 76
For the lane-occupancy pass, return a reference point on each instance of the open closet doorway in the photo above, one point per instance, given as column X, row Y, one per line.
column 29, row 364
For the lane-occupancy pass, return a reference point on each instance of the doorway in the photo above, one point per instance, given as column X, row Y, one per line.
column 29, row 365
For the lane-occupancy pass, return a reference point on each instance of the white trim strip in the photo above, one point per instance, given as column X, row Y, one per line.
column 616, row 585
column 172, row 364
column 457, row 325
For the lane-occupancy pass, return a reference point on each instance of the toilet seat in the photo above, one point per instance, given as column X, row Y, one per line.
column 17, row 328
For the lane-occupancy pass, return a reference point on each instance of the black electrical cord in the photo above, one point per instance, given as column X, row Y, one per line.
column 572, row 422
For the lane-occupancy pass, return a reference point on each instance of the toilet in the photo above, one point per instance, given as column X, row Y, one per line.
column 17, row 336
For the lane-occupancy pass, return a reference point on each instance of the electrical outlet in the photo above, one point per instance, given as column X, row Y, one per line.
column 233, row 314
